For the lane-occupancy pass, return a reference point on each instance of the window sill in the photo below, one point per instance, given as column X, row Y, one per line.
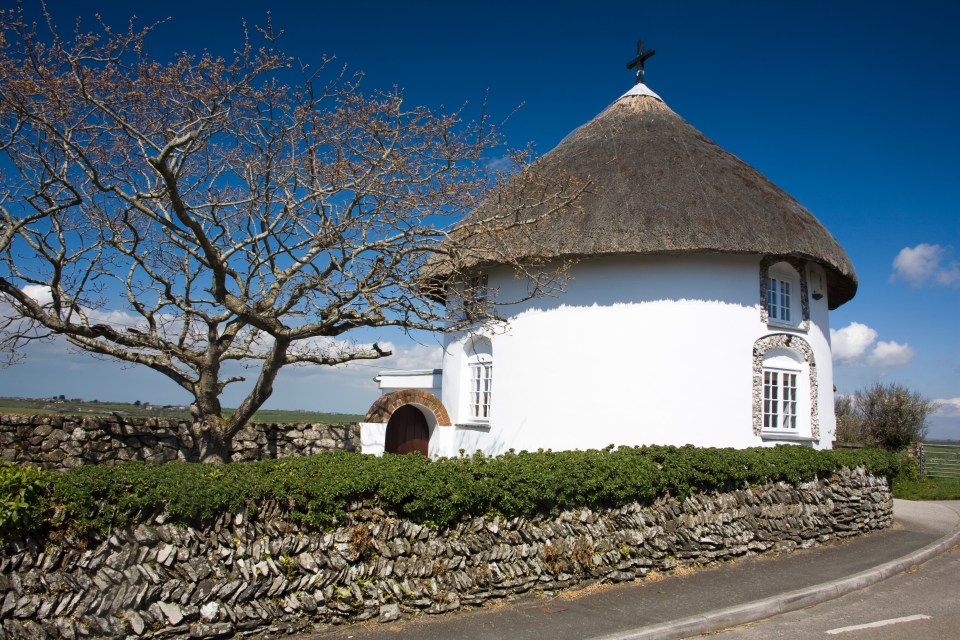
column 473, row 425
column 803, row 327
column 785, row 435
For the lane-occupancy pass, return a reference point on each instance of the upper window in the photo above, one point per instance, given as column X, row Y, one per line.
column 783, row 296
column 779, row 295
column 478, row 288
column 475, row 293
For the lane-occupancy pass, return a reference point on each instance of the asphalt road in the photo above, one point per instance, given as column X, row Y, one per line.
column 923, row 602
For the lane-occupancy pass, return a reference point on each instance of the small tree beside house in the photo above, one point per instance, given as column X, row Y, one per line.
column 890, row 416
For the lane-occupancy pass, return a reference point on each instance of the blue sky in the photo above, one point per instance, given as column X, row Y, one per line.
column 849, row 107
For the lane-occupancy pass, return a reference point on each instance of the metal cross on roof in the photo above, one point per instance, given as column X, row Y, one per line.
column 639, row 60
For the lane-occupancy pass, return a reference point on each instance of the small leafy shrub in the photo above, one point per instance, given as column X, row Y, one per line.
column 23, row 498
column 289, row 566
column 909, row 468
column 893, row 415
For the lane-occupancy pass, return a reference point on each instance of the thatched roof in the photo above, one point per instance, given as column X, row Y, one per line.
column 656, row 185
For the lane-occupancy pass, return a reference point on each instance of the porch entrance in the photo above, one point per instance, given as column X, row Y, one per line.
column 407, row 431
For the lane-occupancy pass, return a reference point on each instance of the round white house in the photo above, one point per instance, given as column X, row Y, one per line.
column 696, row 311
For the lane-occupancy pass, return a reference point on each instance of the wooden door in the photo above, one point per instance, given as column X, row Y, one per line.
column 407, row 431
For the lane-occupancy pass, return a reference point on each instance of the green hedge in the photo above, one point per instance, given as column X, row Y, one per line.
column 23, row 497
column 316, row 489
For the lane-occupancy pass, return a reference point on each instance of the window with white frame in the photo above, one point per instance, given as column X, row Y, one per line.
column 786, row 406
column 481, row 386
column 779, row 399
column 778, row 299
column 478, row 288
column 783, row 295
column 784, row 389
column 475, row 293
column 479, row 379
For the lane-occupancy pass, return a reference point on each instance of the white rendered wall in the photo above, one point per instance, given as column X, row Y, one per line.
column 819, row 338
column 639, row 350
column 426, row 379
column 373, row 437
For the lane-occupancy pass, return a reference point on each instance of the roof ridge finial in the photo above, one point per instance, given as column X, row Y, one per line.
column 639, row 60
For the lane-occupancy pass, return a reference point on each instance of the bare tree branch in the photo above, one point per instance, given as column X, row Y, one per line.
column 182, row 215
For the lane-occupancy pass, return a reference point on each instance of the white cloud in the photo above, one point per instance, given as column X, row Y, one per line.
column 503, row 163
column 857, row 343
column 948, row 407
column 115, row 318
column 926, row 264
column 416, row 356
column 54, row 367
column 118, row 319
column 40, row 293
column 851, row 342
column 411, row 356
column 891, row 354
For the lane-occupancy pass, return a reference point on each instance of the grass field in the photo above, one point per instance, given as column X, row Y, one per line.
column 78, row 407
column 927, row 489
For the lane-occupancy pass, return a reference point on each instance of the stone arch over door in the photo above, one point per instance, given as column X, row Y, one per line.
column 385, row 405
column 407, row 432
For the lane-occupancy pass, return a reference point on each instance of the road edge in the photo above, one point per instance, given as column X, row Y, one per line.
column 789, row 601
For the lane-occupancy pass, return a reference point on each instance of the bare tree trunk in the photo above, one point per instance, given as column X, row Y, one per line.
column 210, row 444
column 211, row 440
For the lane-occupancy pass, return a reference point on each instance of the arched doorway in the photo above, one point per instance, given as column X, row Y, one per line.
column 407, row 431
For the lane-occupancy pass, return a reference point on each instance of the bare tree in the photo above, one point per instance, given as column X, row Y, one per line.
column 849, row 421
column 186, row 214
column 892, row 415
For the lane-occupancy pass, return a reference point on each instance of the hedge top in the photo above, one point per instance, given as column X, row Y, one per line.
column 316, row 490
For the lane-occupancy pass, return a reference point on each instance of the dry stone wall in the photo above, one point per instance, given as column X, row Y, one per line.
column 60, row 442
column 250, row 574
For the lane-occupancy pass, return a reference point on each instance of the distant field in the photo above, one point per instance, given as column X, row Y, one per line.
column 927, row 489
column 78, row 407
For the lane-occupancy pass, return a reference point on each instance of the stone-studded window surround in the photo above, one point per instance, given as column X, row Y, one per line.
column 760, row 348
column 798, row 266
